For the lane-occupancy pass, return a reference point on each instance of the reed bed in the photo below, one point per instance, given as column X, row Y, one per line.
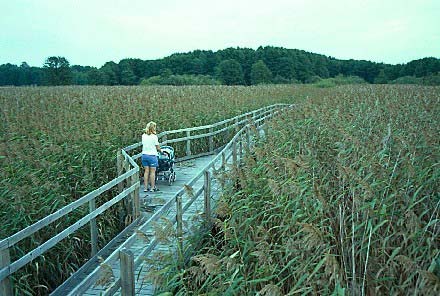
column 341, row 198
column 59, row 143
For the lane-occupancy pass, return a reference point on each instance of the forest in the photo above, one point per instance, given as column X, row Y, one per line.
column 230, row 66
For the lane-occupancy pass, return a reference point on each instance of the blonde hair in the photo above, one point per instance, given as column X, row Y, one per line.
column 151, row 128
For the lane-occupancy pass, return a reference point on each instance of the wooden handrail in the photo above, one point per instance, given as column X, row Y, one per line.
column 13, row 267
column 28, row 231
column 264, row 110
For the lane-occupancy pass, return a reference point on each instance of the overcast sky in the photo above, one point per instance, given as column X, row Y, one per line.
column 94, row 32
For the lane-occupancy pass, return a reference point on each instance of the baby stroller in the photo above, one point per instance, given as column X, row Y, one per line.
column 165, row 171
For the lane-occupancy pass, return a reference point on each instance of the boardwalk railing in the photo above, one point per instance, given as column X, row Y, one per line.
column 127, row 181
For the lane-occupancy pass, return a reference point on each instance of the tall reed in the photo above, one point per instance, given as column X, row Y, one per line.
column 341, row 197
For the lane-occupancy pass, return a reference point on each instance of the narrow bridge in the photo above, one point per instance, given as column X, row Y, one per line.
column 159, row 223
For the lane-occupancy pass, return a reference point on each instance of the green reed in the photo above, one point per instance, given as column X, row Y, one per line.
column 340, row 198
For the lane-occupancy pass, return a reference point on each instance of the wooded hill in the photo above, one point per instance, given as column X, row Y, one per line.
column 230, row 66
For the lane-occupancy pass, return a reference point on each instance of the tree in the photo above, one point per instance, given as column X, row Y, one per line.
column 260, row 73
column 95, row 77
column 381, row 78
column 230, row 72
column 57, row 71
column 110, row 73
column 286, row 69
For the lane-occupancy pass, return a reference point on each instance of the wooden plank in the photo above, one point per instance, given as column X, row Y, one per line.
column 190, row 129
column 5, row 284
column 93, row 275
column 113, row 288
column 62, row 235
column 93, row 229
column 127, row 272
column 131, row 147
column 207, row 198
column 191, row 201
column 187, row 138
column 93, row 263
column 13, row 239
column 194, row 156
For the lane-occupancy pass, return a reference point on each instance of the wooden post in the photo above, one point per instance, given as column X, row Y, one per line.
column 127, row 272
column 227, row 134
column 135, row 196
column 120, row 169
column 234, row 153
column 265, row 129
column 248, row 137
column 211, row 140
column 179, row 230
column 207, row 196
column 257, row 114
column 93, row 229
column 240, row 145
column 5, row 284
column 188, row 144
column 126, row 166
column 164, row 139
column 128, row 202
column 223, row 168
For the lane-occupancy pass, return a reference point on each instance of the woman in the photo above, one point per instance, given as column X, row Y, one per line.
column 150, row 147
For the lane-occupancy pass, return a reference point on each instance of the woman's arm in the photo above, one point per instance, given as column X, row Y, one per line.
column 158, row 148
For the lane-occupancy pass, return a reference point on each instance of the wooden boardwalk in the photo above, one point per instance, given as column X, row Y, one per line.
column 162, row 221
column 144, row 236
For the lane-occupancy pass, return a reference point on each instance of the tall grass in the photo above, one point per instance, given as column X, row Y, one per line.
column 58, row 143
column 342, row 197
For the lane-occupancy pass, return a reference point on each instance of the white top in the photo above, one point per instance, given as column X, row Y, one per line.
column 149, row 143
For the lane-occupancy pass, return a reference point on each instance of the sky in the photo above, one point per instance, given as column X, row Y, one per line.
column 90, row 33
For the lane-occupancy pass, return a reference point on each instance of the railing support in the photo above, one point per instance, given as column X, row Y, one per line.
column 164, row 139
column 120, row 169
column 135, row 196
column 127, row 272
column 240, row 145
column 188, row 144
column 223, row 169
column 211, row 140
column 93, row 229
column 248, row 137
column 207, row 196
column 179, row 229
column 234, row 153
column 5, row 284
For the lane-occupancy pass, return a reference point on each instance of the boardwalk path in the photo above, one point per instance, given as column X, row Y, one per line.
column 144, row 235
column 161, row 222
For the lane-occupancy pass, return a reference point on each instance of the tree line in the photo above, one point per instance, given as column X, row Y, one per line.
column 230, row 66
